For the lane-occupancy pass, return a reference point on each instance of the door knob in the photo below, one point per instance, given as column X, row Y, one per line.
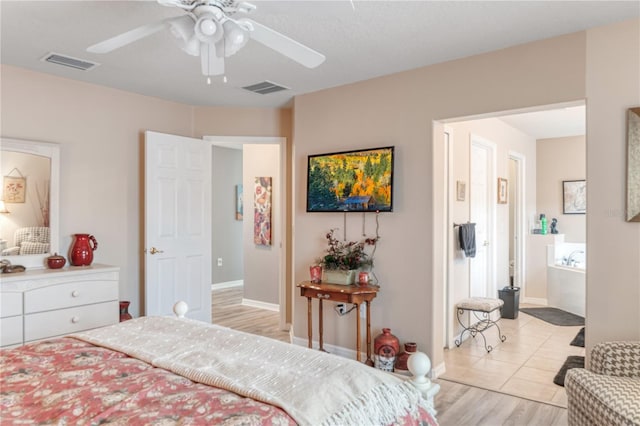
column 155, row 250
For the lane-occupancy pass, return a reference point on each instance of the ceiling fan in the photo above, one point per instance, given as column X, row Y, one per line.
column 208, row 30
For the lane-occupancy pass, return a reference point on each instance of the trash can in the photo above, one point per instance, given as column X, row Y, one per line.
column 511, row 298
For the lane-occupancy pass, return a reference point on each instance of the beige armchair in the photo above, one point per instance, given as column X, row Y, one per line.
column 609, row 392
column 29, row 240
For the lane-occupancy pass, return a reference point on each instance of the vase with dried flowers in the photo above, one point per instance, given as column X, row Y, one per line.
column 344, row 259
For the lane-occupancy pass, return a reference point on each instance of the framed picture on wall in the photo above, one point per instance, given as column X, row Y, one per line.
column 502, row 191
column 14, row 189
column 574, row 196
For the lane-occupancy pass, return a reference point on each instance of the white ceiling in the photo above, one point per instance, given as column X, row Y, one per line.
column 370, row 39
column 553, row 123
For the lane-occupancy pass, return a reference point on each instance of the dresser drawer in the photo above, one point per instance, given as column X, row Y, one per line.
column 65, row 321
column 67, row 295
column 11, row 331
column 10, row 304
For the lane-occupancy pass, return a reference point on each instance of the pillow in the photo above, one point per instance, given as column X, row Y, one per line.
column 28, row 247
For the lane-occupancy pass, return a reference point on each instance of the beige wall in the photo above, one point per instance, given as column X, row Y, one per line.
column 261, row 263
column 399, row 110
column 613, row 245
column 227, row 230
column 561, row 159
column 101, row 136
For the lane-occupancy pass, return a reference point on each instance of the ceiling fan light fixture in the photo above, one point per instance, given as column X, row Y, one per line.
column 208, row 29
column 182, row 29
column 235, row 37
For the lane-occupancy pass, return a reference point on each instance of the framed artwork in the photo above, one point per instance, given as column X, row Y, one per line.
column 262, row 211
column 14, row 189
column 239, row 202
column 461, row 188
column 502, row 191
column 574, row 196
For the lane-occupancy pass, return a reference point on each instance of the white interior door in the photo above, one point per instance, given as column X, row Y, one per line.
column 177, row 224
column 482, row 213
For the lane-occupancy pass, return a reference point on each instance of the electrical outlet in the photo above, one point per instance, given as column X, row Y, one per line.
column 219, row 261
column 341, row 308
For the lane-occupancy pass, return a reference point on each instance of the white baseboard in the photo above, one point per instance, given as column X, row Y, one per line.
column 437, row 371
column 227, row 284
column 535, row 301
column 261, row 305
column 336, row 350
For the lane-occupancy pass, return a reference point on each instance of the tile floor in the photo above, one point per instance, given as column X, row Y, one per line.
column 524, row 365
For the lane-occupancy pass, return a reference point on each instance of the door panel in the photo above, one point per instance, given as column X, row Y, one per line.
column 482, row 213
column 177, row 224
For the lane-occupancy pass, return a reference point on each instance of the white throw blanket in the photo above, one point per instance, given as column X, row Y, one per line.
column 313, row 387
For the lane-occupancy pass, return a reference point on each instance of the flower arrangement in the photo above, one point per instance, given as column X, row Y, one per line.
column 347, row 255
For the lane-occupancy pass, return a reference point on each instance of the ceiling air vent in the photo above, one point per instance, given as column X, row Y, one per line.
column 265, row 87
column 68, row 61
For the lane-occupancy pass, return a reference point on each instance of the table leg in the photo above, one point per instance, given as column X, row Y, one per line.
column 357, row 332
column 369, row 361
column 309, row 325
column 320, row 324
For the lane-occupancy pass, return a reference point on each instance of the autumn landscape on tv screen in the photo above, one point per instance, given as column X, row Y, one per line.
column 353, row 181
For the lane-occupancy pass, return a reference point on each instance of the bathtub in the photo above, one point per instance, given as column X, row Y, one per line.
column 566, row 288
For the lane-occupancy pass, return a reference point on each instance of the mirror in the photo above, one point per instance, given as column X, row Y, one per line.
column 30, row 191
column 633, row 165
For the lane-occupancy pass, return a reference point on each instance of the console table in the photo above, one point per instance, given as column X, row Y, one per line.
column 355, row 294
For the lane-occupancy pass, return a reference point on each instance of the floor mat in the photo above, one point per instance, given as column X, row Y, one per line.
column 572, row 361
column 554, row 316
column 579, row 339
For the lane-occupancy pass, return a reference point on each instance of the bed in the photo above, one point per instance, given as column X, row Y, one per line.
column 170, row 370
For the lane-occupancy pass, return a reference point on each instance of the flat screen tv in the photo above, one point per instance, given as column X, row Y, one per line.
column 351, row 181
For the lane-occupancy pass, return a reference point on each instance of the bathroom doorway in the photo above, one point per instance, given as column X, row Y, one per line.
column 530, row 160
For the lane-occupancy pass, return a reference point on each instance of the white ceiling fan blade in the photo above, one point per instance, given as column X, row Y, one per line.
column 212, row 64
column 129, row 37
column 284, row 45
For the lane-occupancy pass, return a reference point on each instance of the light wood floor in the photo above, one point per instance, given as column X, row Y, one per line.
column 460, row 405
column 457, row 404
column 227, row 310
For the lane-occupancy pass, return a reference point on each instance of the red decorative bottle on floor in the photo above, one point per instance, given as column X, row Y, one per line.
column 124, row 310
column 401, row 361
column 81, row 253
column 385, row 348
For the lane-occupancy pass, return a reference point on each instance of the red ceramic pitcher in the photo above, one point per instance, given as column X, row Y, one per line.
column 81, row 253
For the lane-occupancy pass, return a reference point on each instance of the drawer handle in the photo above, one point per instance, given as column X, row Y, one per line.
column 75, row 319
column 324, row 296
column 75, row 293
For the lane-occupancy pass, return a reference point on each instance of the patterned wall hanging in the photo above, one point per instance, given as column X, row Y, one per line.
column 14, row 188
column 262, row 211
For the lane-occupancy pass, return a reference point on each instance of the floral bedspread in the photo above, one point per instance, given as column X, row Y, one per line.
column 66, row 381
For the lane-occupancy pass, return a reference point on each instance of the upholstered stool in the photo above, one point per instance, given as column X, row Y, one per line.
column 482, row 308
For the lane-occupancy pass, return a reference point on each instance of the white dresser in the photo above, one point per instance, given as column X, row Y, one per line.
column 42, row 303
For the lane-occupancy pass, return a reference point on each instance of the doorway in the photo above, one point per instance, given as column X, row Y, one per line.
column 525, row 364
column 264, row 277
